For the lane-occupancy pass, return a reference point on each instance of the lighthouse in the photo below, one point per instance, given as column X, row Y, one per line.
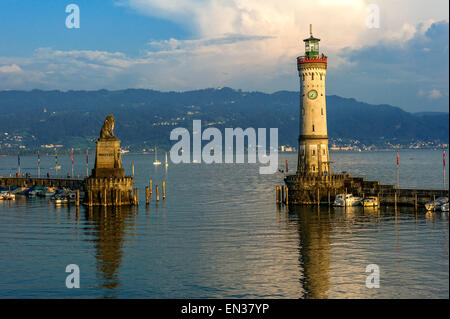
column 313, row 182
column 313, row 155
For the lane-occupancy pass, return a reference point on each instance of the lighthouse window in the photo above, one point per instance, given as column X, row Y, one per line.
column 321, row 77
column 313, row 128
column 312, row 76
column 313, row 152
column 321, row 111
column 314, row 168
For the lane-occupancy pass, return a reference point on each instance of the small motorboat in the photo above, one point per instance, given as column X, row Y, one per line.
column 61, row 200
column 371, row 201
column 47, row 192
column 444, row 207
column 343, row 200
column 7, row 196
column 436, row 204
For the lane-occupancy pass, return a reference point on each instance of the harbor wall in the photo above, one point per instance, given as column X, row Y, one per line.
column 321, row 190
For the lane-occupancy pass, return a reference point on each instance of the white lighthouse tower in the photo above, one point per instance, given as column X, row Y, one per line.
column 313, row 155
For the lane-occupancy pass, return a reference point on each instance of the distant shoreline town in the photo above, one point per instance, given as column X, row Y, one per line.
column 335, row 145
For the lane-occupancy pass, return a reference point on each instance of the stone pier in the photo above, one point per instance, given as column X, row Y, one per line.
column 321, row 190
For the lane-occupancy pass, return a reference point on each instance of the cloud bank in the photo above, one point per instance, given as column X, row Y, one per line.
column 252, row 45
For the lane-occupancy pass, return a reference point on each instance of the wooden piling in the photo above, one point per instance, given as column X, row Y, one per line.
column 345, row 198
column 77, row 197
column 137, row 196
column 287, row 195
column 151, row 187
column 415, row 201
column 329, row 198
column 157, row 193
column 287, row 166
column 278, row 194
column 147, row 195
column 164, row 189
column 105, row 202
column 90, row 198
column 282, row 194
column 318, row 196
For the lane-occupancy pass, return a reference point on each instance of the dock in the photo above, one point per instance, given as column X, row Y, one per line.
column 321, row 190
column 70, row 183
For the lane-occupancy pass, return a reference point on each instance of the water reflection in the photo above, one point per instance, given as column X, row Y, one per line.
column 335, row 244
column 112, row 225
column 314, row 249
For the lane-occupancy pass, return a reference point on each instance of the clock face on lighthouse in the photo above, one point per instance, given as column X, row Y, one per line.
column 312, row 94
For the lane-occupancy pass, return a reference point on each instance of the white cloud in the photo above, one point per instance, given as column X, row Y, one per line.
column 435, row 94
column 13, row 68
column 248, row 44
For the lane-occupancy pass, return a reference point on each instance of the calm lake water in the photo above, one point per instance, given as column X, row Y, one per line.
column 219, row 234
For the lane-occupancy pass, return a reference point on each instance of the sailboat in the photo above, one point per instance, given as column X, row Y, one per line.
column 57, row 167
column 156, row 162
column 167, row 163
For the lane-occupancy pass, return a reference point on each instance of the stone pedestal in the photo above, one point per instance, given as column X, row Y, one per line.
column 108, row 185
column 107, row 159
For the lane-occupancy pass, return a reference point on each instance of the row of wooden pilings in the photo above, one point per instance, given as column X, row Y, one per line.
column 282, row 195
column 149, row 193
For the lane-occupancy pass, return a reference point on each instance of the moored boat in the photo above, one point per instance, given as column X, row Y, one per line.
column 61, row 200
column 7, row 196
column 343, row 200
column 436, row 204
column 371, row 201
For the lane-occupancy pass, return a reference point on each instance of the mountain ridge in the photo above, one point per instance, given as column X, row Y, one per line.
column 145, row 117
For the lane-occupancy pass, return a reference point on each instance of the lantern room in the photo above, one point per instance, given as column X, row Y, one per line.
column 311, row 45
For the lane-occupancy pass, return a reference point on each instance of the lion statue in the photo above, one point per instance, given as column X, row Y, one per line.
column 108, row 127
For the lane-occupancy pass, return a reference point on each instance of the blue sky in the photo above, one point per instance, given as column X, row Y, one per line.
column 243, row 44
